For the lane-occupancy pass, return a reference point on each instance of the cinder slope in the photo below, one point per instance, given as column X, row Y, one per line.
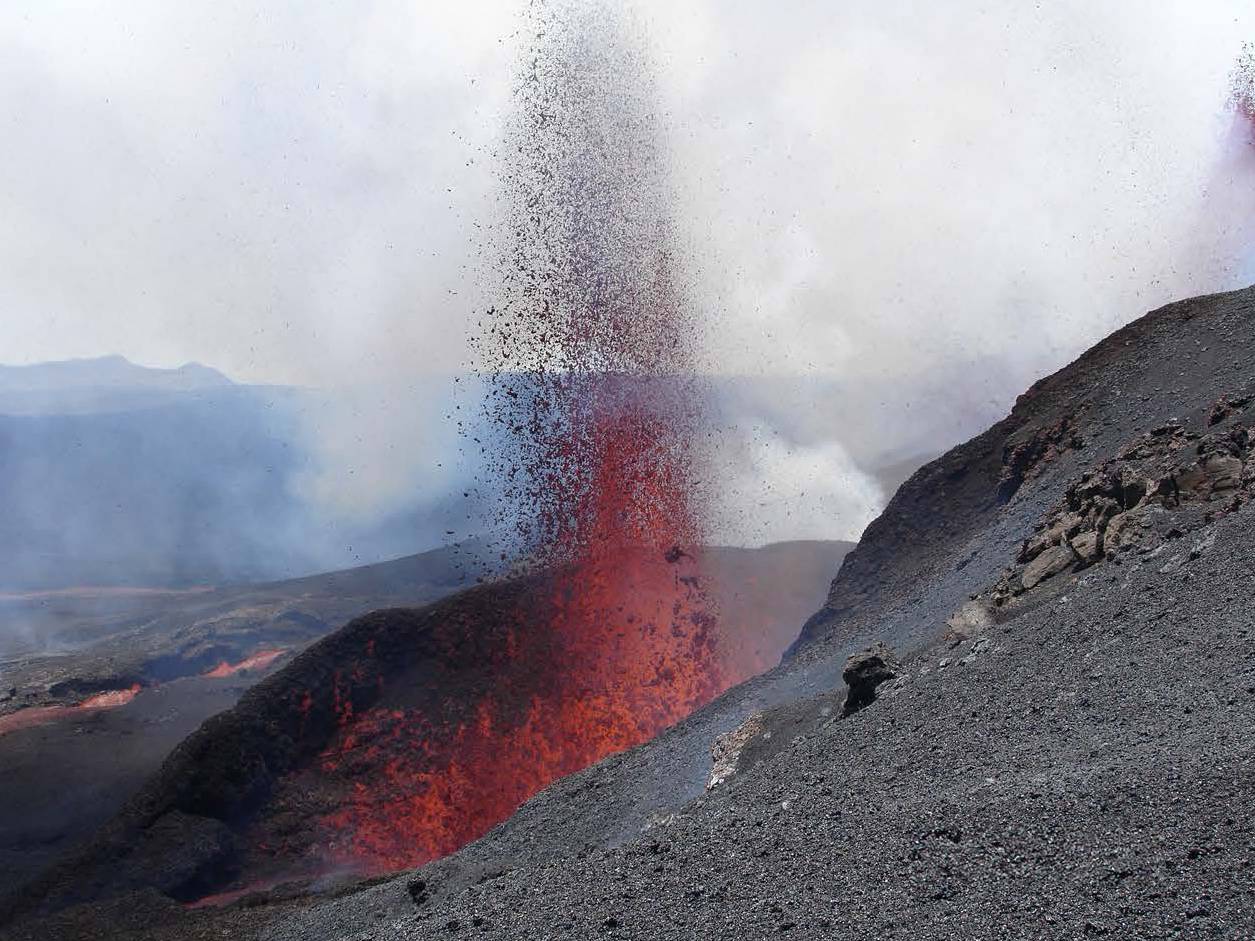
column 1087, row 773
column 246, row 799
column 1077, row 713
column 1052, row 785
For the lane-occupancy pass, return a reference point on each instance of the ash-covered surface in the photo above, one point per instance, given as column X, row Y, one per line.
column 1082, row 757
column 1088, row 773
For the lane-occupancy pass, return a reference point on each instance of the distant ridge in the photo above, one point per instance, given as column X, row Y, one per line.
column 108, row 372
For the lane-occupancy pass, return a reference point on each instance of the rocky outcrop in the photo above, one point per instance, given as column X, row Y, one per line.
column 863, row 674
column 937, row 521
column 1164, row 484
column 1033, row 446
column 726, row 752
column 972, row 619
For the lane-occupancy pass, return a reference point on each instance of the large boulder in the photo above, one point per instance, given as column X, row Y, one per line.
column 726, row 752
column 1051, row 562
column 970, row 620
column 864, row 672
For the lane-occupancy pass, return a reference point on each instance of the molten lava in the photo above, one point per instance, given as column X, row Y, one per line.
column 110, row 698
column 42, row 715
column 257, row 661
column 593, row 427
column 619, row 644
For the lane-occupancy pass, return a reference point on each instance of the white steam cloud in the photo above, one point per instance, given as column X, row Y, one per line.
column 927, row 204
column 775, row 490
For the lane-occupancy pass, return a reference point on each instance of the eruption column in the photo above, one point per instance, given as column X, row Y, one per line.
column 589, row 356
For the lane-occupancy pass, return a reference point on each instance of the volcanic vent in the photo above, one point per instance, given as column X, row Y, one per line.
column 593, row 421
column 408, row 734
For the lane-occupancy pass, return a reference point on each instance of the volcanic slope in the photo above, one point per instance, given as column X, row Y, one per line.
column 186, row 655
column 1074, row 762
column 1066, row 756
column 320, row 769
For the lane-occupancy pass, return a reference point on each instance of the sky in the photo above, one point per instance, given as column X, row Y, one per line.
column 955, row 197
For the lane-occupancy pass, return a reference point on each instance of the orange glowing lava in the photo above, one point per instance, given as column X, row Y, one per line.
column 257, row 661
column 223, row 899
column 620, row 644
column 111, row 698
column 42, row 715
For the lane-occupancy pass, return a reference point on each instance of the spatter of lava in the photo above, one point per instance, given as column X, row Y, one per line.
column 589, row 360
column 531, row 684
column 1230, row 204
column 1242, row 94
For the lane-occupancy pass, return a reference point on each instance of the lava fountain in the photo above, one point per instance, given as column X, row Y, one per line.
column 591, row 354
column 595, row 422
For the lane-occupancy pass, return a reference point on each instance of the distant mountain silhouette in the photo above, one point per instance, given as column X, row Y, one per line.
column 99, row 384
column 113, row 473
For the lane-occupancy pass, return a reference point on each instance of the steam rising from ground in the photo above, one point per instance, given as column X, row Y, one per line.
column 775, row 489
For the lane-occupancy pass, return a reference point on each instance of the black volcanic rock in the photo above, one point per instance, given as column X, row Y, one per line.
column 864, row 672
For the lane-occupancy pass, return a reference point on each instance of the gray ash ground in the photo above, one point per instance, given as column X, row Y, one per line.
column 1089, row 773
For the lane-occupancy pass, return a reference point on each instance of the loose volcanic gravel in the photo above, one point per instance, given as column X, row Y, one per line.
column 1089, row 773
column 1080, row 766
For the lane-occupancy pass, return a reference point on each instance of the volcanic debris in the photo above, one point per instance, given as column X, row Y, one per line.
column 1168, row 482
column 863, row 674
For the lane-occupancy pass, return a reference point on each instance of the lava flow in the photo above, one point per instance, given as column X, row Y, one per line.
column 257, row 661
column 42, row 715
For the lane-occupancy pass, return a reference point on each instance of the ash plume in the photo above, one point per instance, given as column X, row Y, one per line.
column 298, row 200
